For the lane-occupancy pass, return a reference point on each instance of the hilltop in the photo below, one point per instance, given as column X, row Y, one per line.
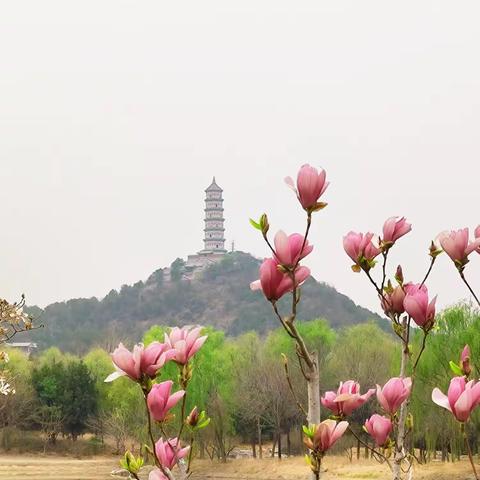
column 218, row 296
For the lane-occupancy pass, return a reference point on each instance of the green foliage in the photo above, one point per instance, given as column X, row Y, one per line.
column 220, row 297
column 67, row 386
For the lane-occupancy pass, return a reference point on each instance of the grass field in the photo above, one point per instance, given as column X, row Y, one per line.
column 99, row 468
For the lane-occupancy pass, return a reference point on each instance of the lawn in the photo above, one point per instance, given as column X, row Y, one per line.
column 100, row 468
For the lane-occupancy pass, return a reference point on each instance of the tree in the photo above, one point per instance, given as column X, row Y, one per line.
column 66, row 386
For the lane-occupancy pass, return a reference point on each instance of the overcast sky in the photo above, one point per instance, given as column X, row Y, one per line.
column 115, row 115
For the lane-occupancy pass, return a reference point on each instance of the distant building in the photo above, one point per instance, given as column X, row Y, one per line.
column 214, row 230
column 214, row 235
column 25, row 347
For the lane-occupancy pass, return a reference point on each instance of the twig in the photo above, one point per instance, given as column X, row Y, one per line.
column 287, row 374
column 374, row 452
column 282, row 321
column 165, row 471
column 428, row 271
column 469, row 450
column 469, row 287
column 420, row 353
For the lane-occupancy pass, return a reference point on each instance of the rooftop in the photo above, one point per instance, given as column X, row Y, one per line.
column 214, row 187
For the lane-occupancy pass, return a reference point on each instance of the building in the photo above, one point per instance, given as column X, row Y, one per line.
column 214, row 235
column 214, row 241
column 25, row 347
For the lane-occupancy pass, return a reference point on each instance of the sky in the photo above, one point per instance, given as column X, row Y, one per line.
column 115, row 115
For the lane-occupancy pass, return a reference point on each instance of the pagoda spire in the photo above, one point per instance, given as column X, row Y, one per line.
column 214, row 240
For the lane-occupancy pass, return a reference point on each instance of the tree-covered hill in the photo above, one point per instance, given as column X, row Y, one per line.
column 218, row 296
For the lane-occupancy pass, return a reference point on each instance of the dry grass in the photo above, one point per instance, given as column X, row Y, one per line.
column 99, row 468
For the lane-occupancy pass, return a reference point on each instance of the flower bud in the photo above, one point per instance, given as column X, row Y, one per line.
column 399, row 275
column 192, row 418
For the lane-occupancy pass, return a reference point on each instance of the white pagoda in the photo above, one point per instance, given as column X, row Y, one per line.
column 214, row 232
column 214, row 241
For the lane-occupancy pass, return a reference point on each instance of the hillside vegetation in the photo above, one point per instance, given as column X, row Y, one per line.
column 219, row 296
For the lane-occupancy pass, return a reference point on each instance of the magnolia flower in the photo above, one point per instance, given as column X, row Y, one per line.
column 417, row 306
column 360, row 249
column 288, row 249
column 379, row 428
column 274, row 283
column 392, row 300
column 169, row 452
column 395, row 228
column 394, row 393
column 159, row 400
column 311, row 185
column 347, row 399
column 156, row 474
column 142, row 361
column 326, row 434
column 458, row 246
column 185, row 342
column 461, row 398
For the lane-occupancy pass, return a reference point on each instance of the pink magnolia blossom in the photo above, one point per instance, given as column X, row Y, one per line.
column 154, row 357
column 360, row 248
column 477, row 236
column 379, row 428
column 274, row 283
column 186, row 342
column 395, row 228
column 288, row 249
column 156, row 474
column 417, row 306
column 311, row 185
column 394, row 393
column 461, row 398
column 326, row 434
column 160, row 402
column 392, row 302
column 347, row 399
column 142, row 361
column 169, row 452
column 457, row 245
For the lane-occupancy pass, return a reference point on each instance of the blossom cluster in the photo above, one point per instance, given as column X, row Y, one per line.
column 142, row 365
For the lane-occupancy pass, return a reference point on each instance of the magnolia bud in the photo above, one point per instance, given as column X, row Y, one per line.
column 399, row 275
column 264, row 225
column 192, row 418
column 435, row 250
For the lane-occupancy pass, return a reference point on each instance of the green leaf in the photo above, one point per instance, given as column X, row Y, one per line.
column 254, row 224
column 455, row 368
column 203, row 424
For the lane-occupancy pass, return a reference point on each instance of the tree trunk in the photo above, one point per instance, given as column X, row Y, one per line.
column 274, row 445
column 259, row 434
column 202, row 448
column 280, row 445
column 254, row 450
column 358, row 449
column 289, row 444
column 313, row 391
column 400, row 440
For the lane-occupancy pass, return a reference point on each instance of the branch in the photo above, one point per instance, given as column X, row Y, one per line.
column 366, row 445
column 469, row 287
column 282, row 321
column 428, row 271
column 164, row 470
column 287, row 374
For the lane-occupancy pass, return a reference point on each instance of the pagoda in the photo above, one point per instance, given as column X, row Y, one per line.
column 214, row 240
column 214, row 233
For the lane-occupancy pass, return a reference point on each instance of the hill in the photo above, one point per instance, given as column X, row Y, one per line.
column 218, row 296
